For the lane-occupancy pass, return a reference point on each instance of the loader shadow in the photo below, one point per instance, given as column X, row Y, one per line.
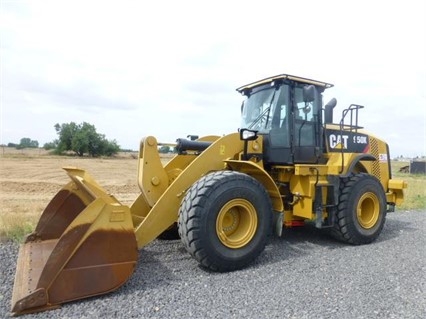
column 158, row 265
column 298, row 242
column 394, row 228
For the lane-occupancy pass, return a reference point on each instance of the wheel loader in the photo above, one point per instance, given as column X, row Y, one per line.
column 289, row 164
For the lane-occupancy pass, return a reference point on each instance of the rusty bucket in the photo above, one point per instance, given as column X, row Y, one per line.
column 84, row 245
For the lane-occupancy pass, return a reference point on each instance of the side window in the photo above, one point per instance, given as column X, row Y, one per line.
column 280, row 129
column 302, row 112
column 304, row 120
column 280, row 109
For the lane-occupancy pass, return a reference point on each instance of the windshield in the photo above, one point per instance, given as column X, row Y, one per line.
column 259, row 108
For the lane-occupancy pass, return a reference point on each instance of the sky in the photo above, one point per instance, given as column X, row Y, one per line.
column 170, row 68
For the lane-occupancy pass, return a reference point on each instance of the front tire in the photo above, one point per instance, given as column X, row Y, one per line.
column 361, row 211
column 225, row 220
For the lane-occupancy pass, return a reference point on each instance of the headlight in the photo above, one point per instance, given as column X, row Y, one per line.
column 248, row 135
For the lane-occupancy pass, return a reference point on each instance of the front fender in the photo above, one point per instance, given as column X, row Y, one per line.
column 257, row 172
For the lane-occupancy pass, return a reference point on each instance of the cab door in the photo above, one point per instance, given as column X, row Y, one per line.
column 277, row 141
column 306, row 124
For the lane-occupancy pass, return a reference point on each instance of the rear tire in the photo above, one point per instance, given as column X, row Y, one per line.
column 225, row 220
column 361, row 211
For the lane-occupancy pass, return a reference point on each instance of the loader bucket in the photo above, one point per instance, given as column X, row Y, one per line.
column 84, row 245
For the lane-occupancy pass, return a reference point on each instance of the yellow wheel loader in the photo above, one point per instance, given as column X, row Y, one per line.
column 289, row 164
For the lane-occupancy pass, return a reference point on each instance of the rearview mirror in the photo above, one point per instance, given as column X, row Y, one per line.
column 309, row 93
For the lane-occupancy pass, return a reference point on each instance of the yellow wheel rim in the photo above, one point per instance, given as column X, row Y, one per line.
column 236, row 223
column 368, row 210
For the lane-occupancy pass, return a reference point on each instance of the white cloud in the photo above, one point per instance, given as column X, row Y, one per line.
column 170, row 68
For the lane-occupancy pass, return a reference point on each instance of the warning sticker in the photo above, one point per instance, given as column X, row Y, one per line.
column 383, row 158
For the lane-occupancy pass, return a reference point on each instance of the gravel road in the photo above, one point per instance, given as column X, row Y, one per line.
column 304, row 274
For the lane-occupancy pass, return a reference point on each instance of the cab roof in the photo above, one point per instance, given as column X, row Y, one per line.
column 284, row 77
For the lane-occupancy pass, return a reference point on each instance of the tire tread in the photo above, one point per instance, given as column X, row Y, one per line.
column 343, row 228
column 196, row 199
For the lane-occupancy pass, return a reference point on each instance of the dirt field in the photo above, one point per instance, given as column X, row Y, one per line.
column 30, row 178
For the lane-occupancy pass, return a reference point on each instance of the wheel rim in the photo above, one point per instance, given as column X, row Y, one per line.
column 236, row 223
column 368, row 210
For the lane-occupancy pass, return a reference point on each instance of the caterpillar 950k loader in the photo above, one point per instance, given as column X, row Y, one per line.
column 288, row 164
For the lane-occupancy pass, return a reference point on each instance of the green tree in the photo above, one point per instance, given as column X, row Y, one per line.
column 109, row 148
column 83, row 139
column 26, row 142
column 51, row 145
column 66, row 132
column 164, row 149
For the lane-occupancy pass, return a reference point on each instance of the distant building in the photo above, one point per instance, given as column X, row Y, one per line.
column 418, row 167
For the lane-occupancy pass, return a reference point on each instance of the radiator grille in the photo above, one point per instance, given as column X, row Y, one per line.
column 374, row 149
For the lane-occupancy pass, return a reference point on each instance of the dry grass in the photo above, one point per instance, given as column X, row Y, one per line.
column 30, row 178
column 415, row 194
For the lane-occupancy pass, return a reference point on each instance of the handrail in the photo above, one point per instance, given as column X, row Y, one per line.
column 351, row 109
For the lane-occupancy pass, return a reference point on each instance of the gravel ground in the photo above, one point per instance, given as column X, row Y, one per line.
column 304, row 274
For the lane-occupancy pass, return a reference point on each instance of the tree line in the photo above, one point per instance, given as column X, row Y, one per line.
column 25, row 142
column 78, row 138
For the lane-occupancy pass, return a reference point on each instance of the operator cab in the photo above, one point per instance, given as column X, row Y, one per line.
column 286, row 110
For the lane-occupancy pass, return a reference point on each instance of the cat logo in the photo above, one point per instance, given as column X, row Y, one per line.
column 338, row 141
